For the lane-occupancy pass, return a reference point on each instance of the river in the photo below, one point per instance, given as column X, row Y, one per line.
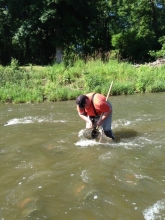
column 50, row 171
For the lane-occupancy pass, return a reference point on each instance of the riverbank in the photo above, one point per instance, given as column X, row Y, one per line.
column 59, row 83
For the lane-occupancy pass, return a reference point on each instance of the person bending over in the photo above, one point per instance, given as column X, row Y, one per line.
column 96, row 111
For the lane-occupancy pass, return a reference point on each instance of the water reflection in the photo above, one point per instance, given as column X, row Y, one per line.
column 50, row 171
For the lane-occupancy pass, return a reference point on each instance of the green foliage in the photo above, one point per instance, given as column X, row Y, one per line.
column 130, row 44
column 32, row 31
column 11, row 74
column 159, row 53
column 61, row 94
column 93, row 81
column 157, row 86
column 56, row 83
column 14, row 93
column 125, row 88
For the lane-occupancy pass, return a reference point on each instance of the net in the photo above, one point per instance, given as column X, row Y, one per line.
column 91, row 133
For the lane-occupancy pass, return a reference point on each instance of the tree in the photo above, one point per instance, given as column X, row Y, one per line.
column 41, row 31
column 5, row 33
column 142, row 26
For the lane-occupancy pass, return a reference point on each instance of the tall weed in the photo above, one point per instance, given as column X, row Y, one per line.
column 59, row 82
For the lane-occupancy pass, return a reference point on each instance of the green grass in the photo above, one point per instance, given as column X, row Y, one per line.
column 59, row 83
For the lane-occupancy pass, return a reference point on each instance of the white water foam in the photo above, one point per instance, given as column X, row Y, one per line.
column 86, row 143
column 125, row 122
column 84, row 176
column 120, row 123
column 106, row 156
column 83, row 142
column 157, row 211
column 30, row 120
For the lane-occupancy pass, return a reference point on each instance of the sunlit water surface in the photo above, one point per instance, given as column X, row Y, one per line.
column 49, row 171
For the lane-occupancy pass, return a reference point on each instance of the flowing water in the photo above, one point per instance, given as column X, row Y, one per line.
column 49, row 171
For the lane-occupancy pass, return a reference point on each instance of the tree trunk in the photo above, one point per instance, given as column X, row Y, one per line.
column 59, row 54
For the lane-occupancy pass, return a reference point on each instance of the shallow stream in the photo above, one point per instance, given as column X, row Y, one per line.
column 49, row 171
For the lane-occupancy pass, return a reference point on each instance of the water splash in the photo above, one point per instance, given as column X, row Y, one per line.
column 30, row 120
column 157, row 211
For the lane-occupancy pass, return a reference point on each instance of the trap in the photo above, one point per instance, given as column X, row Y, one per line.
column 91, row 133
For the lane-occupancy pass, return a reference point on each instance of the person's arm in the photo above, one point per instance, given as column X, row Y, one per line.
column 103, row 117
column 106, row 111
column 84, row 117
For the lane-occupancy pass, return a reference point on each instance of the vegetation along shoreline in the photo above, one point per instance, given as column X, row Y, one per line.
column 59, row 82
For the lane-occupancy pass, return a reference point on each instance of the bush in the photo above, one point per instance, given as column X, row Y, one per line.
column 157, row 86
column 58, row 83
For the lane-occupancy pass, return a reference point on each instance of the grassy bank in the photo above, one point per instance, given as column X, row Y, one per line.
column 58, row 83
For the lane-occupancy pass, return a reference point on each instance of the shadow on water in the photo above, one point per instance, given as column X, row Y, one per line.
column 125, row 133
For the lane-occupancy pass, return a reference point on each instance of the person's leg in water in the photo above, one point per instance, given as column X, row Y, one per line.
column 106, row 125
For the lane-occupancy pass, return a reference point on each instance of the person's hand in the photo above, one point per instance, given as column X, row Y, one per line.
column 99, row 122
column 89, row 123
